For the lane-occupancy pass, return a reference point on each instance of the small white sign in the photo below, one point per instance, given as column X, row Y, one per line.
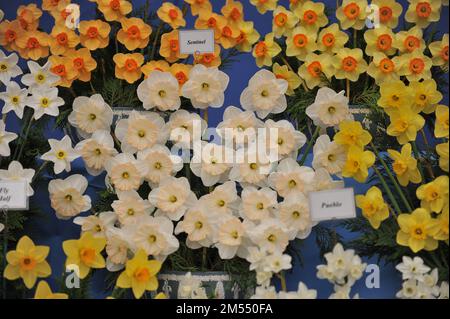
column 13, row 195
column 332, row 204
column 196, row 41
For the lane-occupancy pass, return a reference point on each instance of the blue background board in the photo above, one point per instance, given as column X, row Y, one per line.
column 46, row 229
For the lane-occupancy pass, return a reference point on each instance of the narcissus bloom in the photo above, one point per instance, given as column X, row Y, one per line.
column 155, row 65
column 351, row 133
column 439, row 51
column 405, row 166
column 223, row 200
column 64, row 69
column 383, row 68
column 43, row 291
column 180, row 72
column 50, row 5
column 5, row 138
column 265, row 50
column 160, row 90
column 125, row 172
column 10, row 31
column 410, row 40
column 172, row 15
column 45, row 101
column 182, row 125
column 442, row 151
column 15, row 99
column 85, row 253
column 352, row 14
column 283, row 72
column 258, row 204
column 233, row 11
column 423, row 12
column 39, row 77
column 328, row 155
column 349, row 64
column 27, row 262
column 289, row 140
column 227, row 36
column 264, row 5
column 199, row 6
column 62, row 13
column 199, row 226
column 331, row 39
column 358, row 164
column 283, row 21
column 405, row 123
column 28, row 16
column 33, row 45
column 442, row 126
column 301, row 42
column 248, row 35
column 380, row 40
column 97, row 225
column 417, row 230
column 290, row 178
column 128, row 66
column 434, row 195
column 114, row 10
column 426, row 96
column 209, row 59
column 83, row 63
column 160, row 163
column 170, row 47
column 61, row 153
column 135, row 33
column 212, row 21
column 394, row 95
column 294, row 212
column 312, row 15
column 443, row 221
column 389, row 12
column 373, row 206
column 229, row 237
column 415, row 66
column 315, row 67
column 62, row 39
column 94, row 34
column 130, row 207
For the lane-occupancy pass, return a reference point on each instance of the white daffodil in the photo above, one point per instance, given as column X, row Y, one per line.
column 238, row 127
column 258, row 205
column 159, row 90
column 160, row 163
column 15, row 99
column 8, row 67
column 185, row 127
column 277, row 262
column 205, row 87
column 265, row 94
column 409, row 290
column 90, row 114
column 324, row 181
column 290, row 178
column 329, row 155
column 96, row 225
column 288, row 140
column 329, row 108
column 270, row 235
column 199, row 227
column 223, row 200
column 229, row 237
column 210, row 163
column 302, row 293
column 130, row 207
column 66, row 196
column 255, row 256
column 412, row 268
column 61, row 154
column 45, row 101
column 5, row 139
column 116, row 250
column 294, row 213
column 96, row 151
column 40, row 76
column 265, row 293
column 16, row 172
column 172, row 197
column 126, row 172
column 341, row 292
column 191, row 288
column 444, row 290
column 155, row 236
column 2, row 15
column 141, row 131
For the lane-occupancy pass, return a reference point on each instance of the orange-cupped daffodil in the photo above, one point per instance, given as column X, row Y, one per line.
column 128, row 66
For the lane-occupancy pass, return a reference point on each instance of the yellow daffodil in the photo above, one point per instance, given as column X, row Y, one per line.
column 199, row 6
column 349, row 64
column 63, row 67
column 94, row 34
column 442, row 151
column 423, row 12
column 409, row 41
column 417, row 230
column 351, row 133
column 170, row 47
column 61, row 12
column 85, row 253
column 140, row 274
column 83, row 63
column 128, row 66
column 248, row 36
column 405, row 166
column 426, row 96
column 43, row 291
column 389, row 12
column 62, row 40
column 439, row 51
column 443, row 221
column 434, row 195
column 134, row 34
column 394, row 95
column 331, row 39
column 234, row 12
column 358, row 163
column 405, row 123
column 33, row 45
column 180, row 72
column 415, row 66
column 161, row 295
column 380, row 40
column 114, row 10
column 373, row 206
column 228, row 36
column 283, row 72
column 315, row 68
column 172, row 15
column 211, row 20
column 265, row 50
column 209, row 59
column 295, row 4
column 300, row 43
column 264, row 5
column 10, row 31
column 352, row 14
column 28, row 16
column 155, row 65
column 27, row 262
column 283, row 21
column 312, row 15
column 383, row 68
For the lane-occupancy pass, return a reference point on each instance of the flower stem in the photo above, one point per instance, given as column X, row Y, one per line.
column 155, row 41
column 347, row 88
column 394, row 202
column 282, row 281
column 40, row 169
column 204, row 255
column 24, row 140
column 5, row 250
column 309, row 146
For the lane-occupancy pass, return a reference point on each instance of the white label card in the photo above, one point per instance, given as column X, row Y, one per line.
column 332, row 204
column 13, row 195
column 196, row 41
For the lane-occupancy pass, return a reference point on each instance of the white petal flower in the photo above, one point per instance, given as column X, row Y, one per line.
column 294, row 213
column 191, row 288
column 96, row 225
column 5, row 139
column 288, row 140
column 45, row 101
column 328, row 155
column 90, row 114
column 270, row 235
column 255, row 256
column 229, row 237
column 223, row 200
column 61, row 154
column 185, row 127
column 205, row 87
column 258, row 205
column 265, row 293
column 265, row 94
column 409, row 290
column 66, row 196
column 412, row 268
column 277, row 262
column 116, row 250
column 130, row 207
column 8, row 67
column 444, row 290
column 40, row 77
column 16, row 172
column 15, row 99
column 302, row 293
column 324, row 181
column 159, row 90
column 126, row 172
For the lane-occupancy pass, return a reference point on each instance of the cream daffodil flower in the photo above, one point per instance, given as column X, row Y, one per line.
column 129, row 207
column 5, row 139
column 294, row 212
column 61, row 154
column 125, row 172
column 328, row 155
column 199, row 227
column 96, row 225
column 258, row 204
column 159, row 90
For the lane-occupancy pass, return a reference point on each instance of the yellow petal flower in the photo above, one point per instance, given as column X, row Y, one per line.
column 43, row 291
column 349, row 64
column 94, row 34
column 439, row 51
column 351, row 133
column 373, row 206
column 442, row 151
column 405, row 166
column 389, row 12
column 265, row 50
column 442, row 126
column 135, row 34
column 128, row 66
column 434, row 195
column 352, row 14
column 358, row 163
column 404, row 125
